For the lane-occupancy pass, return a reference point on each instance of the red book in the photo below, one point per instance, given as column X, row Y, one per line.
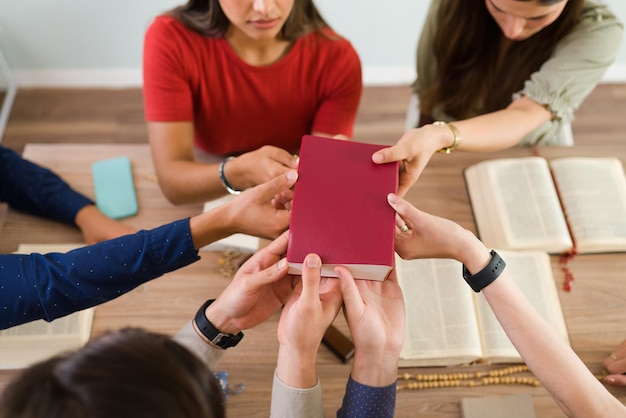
column 340, row 209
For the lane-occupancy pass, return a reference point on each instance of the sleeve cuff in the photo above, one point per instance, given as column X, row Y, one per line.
column 289, row 402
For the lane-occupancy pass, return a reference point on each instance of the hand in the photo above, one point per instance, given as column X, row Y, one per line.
column 258, row 290
column 615, row 364
column 312, row 307
column 264, row 210
column 259, row 166
column 413, row 150
column 97, row 227
column 376, row 317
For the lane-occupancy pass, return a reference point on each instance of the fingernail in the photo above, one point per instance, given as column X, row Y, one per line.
column 292, row 175
column 393, row 198
column 282, row 264
column 377, row 158
column 313, row 260
column 609, row 380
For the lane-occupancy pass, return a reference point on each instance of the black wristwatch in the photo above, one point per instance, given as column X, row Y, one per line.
column 487, row 275
column 213, row 334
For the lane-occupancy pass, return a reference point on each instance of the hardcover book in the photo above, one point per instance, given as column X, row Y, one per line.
column 340, row 209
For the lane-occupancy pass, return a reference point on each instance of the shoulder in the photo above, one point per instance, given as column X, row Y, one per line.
column 166, row 28
column 596, row 16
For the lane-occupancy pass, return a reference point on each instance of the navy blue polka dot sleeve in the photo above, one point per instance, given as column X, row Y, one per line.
column 48, row 286
column 36, row 190
column 368, row 401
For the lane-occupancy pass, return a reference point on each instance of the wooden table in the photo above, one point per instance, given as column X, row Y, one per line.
column 595, row 309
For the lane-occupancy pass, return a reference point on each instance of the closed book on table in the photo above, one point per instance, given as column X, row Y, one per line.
column 340, row 209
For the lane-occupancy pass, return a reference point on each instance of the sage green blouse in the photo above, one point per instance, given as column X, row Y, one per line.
column 563, row 81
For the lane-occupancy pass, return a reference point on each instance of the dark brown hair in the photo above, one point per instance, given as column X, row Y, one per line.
column 128, row 373
column 207, row 18
column 466, row 46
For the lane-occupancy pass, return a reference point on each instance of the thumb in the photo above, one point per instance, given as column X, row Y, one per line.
column 311, row 277
column 278, row 184
column 351, row 296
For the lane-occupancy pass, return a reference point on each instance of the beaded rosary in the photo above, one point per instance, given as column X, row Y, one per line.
column 471, row 379
column 226, row 262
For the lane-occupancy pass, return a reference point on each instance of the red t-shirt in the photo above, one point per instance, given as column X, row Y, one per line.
column 237, row 107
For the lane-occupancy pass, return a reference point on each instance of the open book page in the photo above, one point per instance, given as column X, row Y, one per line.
column 532, row 273
column 239, row 242
column 593, row 191
column 441, row 323
column 516, row 206
column 29, row 343
column 25, row 344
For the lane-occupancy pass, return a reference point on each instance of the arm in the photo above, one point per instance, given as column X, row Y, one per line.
column 315, row 302
column 489, row 132
column 52, row 285
column 555, row 364
column 183, row 180
column 33, row 189
column 375, row 314
column 260, row 287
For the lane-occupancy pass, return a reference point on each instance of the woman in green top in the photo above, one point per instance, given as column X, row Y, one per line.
column 505, row 72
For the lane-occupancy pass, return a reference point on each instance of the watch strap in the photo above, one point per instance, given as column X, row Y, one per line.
column 214, row 335
column 487, row 275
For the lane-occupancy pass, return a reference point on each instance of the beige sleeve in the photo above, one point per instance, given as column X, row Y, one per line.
column 289, row 402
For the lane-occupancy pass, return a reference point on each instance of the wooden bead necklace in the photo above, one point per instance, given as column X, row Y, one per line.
column 471, row 379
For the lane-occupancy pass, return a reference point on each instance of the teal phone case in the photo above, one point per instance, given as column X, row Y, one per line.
column 114, row 187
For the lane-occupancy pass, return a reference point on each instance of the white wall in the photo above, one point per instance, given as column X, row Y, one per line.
column 98, row 43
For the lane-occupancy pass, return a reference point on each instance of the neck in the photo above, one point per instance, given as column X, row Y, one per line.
column 257, row 52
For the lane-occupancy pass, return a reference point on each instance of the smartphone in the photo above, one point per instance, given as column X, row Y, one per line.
column 114, row 187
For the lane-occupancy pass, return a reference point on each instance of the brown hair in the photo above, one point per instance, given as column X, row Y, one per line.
column 207, row 18
column 466, row 46
column 125, row 373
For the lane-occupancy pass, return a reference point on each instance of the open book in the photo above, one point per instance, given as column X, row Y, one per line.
column 25, row 344
column 567, row 205
column 449, row 324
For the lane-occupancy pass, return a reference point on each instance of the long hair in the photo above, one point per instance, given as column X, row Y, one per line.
column 207, row 18
column 467, row 40
column 129, row 373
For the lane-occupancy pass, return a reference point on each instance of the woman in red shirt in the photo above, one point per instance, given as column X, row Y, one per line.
column 231, row 86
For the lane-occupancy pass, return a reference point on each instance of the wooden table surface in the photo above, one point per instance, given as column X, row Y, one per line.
column 595, row 309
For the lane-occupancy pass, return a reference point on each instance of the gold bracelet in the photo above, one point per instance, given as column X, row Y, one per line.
column 455, row 132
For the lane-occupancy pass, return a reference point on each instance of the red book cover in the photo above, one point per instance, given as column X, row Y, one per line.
column 340, row 209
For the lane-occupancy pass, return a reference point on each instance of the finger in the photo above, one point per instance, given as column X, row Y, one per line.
column 402, row 225
column 351, row 295
column 397, row 152
column 615, row 379
column 273, row 251
column 404, row 209
column 278, row 185
column 311, row 276
column 284, row 158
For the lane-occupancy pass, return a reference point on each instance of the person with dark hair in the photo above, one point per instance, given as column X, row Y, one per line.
column 48, row 286
column 493, row 74
column 231, row 86
column 124, row 373
column 36, row 190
